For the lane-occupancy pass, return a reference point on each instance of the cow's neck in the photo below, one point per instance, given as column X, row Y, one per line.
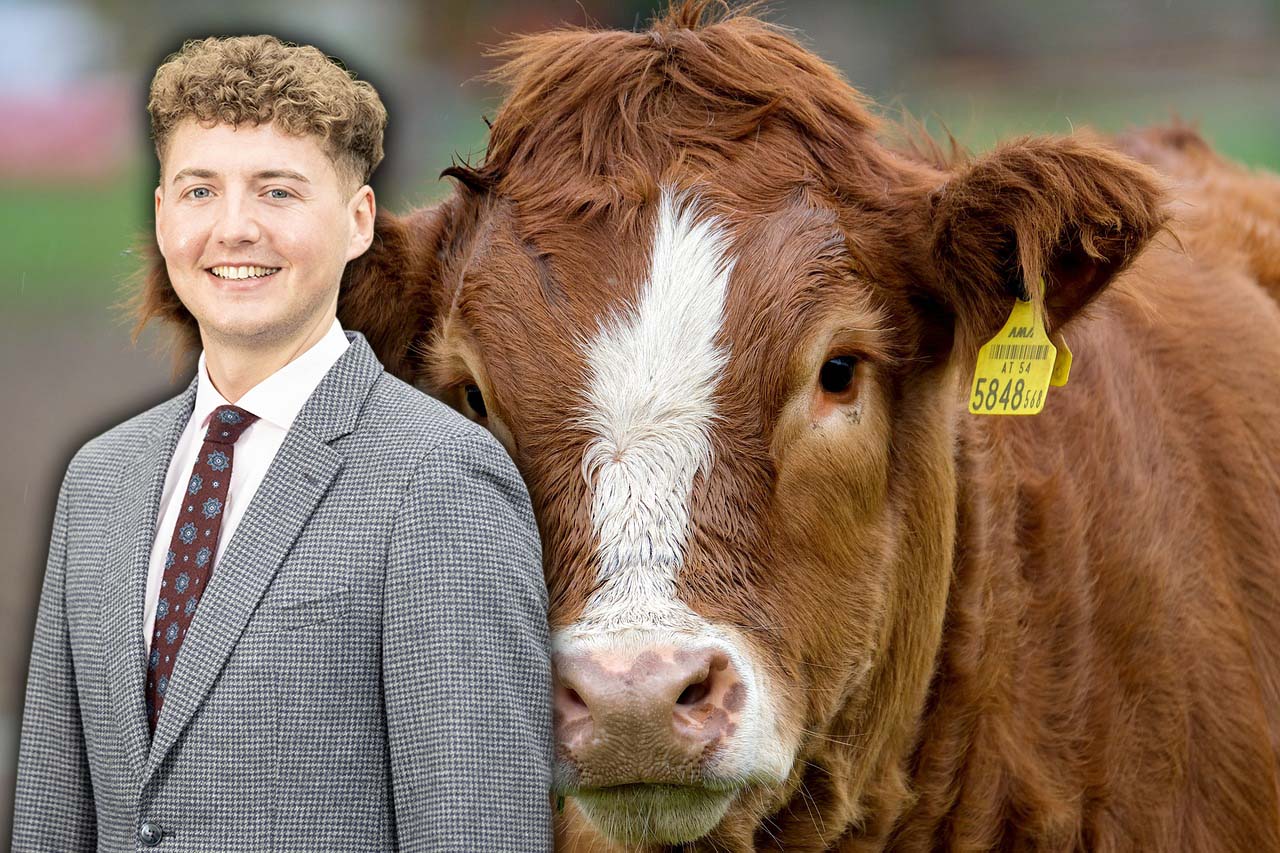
column 977, row 758
column 954, row 749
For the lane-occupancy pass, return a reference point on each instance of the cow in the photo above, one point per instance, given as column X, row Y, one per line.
column 725, row 321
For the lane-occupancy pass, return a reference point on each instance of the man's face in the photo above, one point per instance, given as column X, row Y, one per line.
column 255, row 227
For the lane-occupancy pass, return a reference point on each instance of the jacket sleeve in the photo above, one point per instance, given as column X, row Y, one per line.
column 53, row 807
column 466, row 665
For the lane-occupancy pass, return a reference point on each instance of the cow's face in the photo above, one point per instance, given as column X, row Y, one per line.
column 729, row 369
column 704, row 401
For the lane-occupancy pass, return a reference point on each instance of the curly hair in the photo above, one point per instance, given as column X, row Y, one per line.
column 262, row 80
column 255, row 80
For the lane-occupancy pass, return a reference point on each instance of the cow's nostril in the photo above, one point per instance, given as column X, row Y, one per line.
column 573, row 699
column 695, row 693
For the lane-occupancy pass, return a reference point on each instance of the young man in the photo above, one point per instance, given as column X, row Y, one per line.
column 300, row 606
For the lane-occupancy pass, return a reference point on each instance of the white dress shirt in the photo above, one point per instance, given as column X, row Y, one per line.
column 276, row 401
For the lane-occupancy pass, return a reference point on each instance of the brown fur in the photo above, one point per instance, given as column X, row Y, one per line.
column 1054, row 633
column 1230, row 210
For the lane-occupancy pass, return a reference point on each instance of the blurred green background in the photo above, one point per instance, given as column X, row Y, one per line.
column 77, row 170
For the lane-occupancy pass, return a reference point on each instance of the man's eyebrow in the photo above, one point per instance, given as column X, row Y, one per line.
column 206, row 174
column 194, row 173
column 283, row 173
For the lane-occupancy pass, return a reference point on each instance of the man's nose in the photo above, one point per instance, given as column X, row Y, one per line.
column 237, row 222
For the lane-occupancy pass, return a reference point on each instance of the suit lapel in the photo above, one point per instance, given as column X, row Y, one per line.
column 128, row 559
column 298, row 478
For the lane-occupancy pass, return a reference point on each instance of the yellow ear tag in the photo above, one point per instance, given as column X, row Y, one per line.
column 1061, row 367
column 1014, row 367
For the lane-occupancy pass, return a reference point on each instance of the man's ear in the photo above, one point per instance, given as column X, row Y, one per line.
column 1069, row 209
column 390, row 294
column 159, row 197
column 363, row 211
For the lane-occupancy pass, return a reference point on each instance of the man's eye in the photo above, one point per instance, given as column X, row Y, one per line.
column 279, row 194
column 199, row 192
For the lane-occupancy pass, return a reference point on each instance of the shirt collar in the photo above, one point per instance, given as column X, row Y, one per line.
column 279, row 398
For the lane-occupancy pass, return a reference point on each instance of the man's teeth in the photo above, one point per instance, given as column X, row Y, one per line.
column 243, row 272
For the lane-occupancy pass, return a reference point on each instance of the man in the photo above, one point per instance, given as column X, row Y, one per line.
column 300, row 606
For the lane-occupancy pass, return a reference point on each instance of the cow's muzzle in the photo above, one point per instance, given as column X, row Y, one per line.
column 652, row 715
column 638, row 731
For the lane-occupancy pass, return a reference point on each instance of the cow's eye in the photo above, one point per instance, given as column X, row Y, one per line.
column 836, row 374
column 476, row 401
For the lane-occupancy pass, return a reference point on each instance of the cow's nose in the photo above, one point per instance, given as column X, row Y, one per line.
column 648, row 715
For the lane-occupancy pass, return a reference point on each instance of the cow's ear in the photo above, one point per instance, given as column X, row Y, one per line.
column 1068, row 209
column 390, row 293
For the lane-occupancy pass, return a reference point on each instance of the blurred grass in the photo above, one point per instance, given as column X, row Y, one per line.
column 68, row 245
column 1240, row 119
column 71, row 247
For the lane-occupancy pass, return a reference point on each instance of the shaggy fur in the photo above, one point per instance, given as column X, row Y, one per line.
column 1054, row 633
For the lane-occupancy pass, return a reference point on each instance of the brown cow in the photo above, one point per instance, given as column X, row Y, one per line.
column 802, row 599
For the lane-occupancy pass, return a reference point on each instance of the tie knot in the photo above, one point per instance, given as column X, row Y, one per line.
column 227, row 423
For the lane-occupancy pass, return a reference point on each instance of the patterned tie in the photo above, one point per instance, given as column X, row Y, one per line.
column 189, row 562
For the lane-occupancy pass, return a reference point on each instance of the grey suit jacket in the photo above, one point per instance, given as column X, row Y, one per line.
column 368, row 669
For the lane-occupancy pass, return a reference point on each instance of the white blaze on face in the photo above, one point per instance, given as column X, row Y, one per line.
column 650, row 404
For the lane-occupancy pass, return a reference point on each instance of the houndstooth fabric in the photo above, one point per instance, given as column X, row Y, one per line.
column 367, row 671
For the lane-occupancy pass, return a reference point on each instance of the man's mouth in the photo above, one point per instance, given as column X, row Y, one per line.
column 243, row 272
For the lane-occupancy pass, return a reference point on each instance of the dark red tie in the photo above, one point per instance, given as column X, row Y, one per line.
column 189, row 562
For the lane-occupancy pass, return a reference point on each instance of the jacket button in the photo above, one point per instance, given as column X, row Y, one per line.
column 150, row 834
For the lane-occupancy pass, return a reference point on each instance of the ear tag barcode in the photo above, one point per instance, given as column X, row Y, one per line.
column 1014, row 368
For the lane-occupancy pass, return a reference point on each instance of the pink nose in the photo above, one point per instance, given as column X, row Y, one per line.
column 651, row 715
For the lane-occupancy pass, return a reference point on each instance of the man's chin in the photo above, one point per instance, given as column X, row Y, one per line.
column 249, row 327
column 653, row 814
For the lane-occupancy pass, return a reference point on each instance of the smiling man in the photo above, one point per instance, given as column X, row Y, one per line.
column 299, row 606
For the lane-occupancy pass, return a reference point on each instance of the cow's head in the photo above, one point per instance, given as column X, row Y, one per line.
column 724, row 332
